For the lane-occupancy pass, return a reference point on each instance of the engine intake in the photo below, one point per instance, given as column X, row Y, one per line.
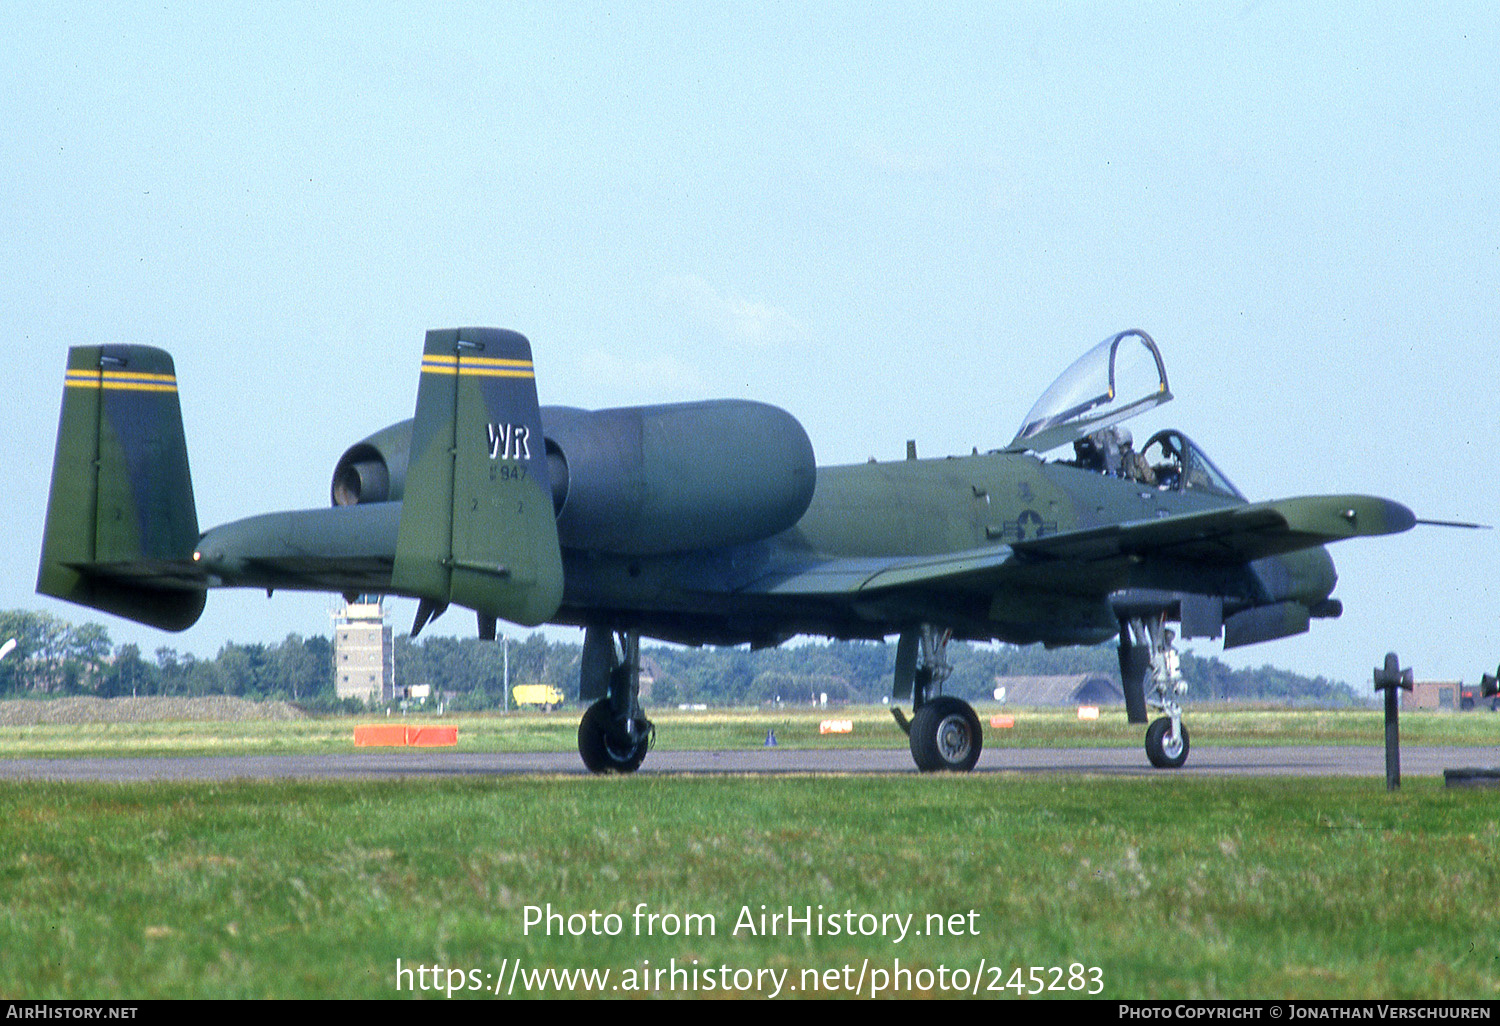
column 373, row 470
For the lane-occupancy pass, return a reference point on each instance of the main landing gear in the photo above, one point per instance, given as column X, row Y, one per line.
column 944, row 731
column 1149, row 675
column 614, row 734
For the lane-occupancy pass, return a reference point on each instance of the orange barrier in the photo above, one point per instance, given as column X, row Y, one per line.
column 401, row 735
column 385, row 734
column 431, row 737
column 1002, row 722
column 836, row 727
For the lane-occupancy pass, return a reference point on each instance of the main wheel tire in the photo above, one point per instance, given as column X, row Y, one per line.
column 1164, row 751
column 945, row 735
column 603, row 748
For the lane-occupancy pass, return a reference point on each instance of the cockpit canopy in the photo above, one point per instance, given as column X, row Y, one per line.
column 1120, row 377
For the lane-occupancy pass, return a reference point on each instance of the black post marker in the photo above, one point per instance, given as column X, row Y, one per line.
column 1391, row 679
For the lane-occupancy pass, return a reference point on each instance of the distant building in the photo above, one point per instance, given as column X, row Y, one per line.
column 1070, row 689
column 1431, row 696
column 364, row 654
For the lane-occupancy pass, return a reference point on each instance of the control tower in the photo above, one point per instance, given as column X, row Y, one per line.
column 364, row 655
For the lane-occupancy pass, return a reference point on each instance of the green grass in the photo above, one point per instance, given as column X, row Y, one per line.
column 1172, row 887
column 745, row 728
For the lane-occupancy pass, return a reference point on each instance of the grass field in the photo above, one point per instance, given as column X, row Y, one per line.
column 1168, row 887
column 1163, row 887
column 729, row 729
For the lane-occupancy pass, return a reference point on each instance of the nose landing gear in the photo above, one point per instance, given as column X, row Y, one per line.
column 1150, row 676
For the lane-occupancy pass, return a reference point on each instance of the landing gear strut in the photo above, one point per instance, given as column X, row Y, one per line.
column 1148, row 672
column 944, row 731
column 614, row 734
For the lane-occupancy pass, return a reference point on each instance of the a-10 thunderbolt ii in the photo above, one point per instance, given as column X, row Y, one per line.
column 710, row 523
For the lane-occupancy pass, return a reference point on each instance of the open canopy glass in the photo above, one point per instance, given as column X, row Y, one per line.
column 1120, row 377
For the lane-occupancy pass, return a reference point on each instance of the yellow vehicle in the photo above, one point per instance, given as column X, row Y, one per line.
column 544, row 695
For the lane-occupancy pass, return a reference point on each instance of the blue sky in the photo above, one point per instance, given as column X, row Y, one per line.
column 898, row 222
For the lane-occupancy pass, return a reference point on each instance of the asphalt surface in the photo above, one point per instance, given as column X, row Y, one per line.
column 1300, row 760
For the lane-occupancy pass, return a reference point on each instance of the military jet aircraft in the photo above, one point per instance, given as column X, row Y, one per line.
column 710, row 523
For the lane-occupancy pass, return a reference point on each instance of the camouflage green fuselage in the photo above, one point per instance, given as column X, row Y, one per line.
column 929, row 507
column 698, row 523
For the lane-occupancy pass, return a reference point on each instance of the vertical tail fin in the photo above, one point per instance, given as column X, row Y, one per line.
column 477, row 524
column 121, row 523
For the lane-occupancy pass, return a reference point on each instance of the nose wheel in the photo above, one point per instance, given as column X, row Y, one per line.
column 1167, row 743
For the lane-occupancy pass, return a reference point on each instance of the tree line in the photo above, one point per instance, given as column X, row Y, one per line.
column 53, row 657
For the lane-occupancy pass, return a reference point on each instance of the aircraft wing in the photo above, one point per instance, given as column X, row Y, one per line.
column 847, row 576
column 1226, row 536
column 1235, row 534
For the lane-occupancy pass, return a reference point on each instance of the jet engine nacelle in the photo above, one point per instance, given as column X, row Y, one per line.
column 373, row 470
column 652, row 480
column 640, row 480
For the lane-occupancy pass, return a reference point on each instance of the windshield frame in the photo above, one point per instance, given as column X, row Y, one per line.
column 1193, row 472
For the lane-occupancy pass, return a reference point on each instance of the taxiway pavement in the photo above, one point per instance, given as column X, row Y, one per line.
column 1280, row 761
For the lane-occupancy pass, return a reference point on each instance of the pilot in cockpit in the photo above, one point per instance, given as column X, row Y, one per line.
column 1133, row 465
column 1087, row 455
column 1111, row 451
